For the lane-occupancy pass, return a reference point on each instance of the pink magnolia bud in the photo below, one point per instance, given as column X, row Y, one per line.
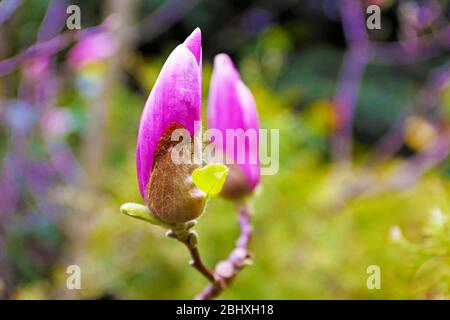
column 174, row 102
column 231, row 106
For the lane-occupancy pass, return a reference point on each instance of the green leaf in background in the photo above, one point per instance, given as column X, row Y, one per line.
column 210, row 178
column 142, row 212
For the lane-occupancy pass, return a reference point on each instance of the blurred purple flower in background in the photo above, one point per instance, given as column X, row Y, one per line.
column 231, row 105
column 36, row 67
column 91, row 47
column 257, row 20
column 417, row 16
column 20, row 116
column 7, row 8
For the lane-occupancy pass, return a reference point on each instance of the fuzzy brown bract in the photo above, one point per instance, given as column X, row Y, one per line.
column 171, row 195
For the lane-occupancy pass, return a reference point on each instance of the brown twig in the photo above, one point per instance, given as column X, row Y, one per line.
column 226, row 270
column 189, row 239
column 198, row 264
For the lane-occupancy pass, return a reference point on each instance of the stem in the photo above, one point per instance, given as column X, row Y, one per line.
column 350, row 76
column 189, row 239
column 227, row 269
column 245, row 227
column 198, row 264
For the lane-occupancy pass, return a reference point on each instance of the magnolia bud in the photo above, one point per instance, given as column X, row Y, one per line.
column 171, row 195
column 173, row 103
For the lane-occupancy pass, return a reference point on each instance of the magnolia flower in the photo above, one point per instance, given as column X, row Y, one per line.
column 231, row 106
column 174, row 102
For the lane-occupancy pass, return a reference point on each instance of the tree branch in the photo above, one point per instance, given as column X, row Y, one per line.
column 189, row 239
column 226, row 270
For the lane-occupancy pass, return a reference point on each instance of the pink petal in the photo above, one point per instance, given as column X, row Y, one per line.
column 231, row 106
column 91, row 47
column 194, row 44
column 174, row 99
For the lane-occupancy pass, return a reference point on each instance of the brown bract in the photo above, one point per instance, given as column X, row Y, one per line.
column 236, row 186
column 171, row 195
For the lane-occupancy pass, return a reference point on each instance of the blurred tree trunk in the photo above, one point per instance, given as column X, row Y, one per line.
column 5, row 268
column 94, row 152
column 5, row 272
column 95, row 142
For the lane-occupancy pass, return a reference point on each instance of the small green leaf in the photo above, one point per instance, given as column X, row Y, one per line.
column 211, row 178
column 141, row 212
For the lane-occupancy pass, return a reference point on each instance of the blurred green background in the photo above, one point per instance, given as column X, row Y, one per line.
column 318, row 224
